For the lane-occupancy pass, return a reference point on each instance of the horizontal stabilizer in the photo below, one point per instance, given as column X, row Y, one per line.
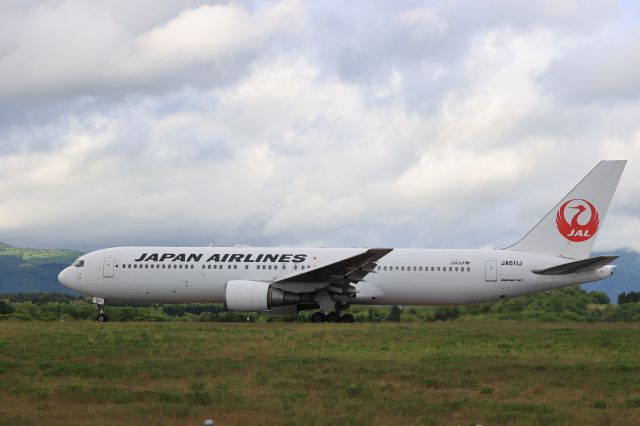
column 590, row 264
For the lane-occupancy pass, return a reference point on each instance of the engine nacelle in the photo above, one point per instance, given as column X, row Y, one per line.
column 250, row 296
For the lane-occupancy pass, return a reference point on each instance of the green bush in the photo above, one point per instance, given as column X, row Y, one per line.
column 567, row 304
column 394, row 313
column 6, row 308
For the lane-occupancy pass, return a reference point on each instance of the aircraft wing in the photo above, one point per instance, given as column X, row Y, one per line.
column 336, row 276
column 578, row 266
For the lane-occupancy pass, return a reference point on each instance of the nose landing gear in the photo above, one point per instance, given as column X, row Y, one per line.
column 99, row 302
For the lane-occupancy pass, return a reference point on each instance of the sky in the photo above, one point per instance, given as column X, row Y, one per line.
column 322, row 123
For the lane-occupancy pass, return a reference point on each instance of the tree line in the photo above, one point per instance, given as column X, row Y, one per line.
column 568, row 304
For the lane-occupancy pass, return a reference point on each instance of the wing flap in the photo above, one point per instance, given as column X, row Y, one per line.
column 579, row 266
column 339, row 274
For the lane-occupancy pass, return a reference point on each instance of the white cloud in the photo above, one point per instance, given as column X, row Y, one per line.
column 422, row 22
column 307, row 123
column 206, row 35
column 73, row 48
column 604, row 68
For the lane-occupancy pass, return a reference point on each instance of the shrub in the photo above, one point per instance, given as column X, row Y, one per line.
column 6, row 308
column 599, row 297
column 394, row 313
column 631, row 297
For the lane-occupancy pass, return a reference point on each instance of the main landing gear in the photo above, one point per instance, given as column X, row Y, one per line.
column 333, row 316
column 100, row 304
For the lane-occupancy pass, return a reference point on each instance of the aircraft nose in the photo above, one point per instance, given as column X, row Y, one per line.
column 62, row 277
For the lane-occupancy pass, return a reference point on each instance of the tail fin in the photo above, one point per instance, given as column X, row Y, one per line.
column 571, row 227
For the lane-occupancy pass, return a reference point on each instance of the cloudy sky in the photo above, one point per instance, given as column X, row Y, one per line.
column 360, row 123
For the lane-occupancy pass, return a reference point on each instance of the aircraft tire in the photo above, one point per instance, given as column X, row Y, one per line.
column 318, row 317
column 102, row 318
column 333, row 317
column 347, row 318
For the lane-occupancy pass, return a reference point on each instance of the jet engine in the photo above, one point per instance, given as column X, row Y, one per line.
column 249, row 296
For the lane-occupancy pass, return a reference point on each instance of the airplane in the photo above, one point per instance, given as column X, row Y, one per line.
column 286, row 280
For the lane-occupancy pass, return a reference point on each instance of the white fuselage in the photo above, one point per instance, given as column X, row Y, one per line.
column 403, row 277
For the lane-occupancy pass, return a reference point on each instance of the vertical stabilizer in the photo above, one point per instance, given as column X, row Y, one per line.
column 571, row 227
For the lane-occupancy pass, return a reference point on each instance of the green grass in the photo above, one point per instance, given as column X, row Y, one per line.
column 463, row 372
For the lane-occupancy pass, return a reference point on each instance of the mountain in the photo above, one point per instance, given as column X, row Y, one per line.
column 27, row 270
column 626, row 275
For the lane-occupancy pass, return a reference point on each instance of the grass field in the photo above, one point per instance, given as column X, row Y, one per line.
column 459, row 373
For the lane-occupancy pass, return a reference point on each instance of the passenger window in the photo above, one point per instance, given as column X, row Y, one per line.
column 456, row 269
column 146, row 266
column 235, row 266
column 468, row 269
column 384, row 268
column 450, row 269
column 438, row 269
column 246, row 266
column 151, row 266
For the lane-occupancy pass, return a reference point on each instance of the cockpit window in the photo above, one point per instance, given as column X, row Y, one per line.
column 78, row 263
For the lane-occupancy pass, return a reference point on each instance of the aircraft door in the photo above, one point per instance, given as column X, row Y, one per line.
column 107, row 269
column 491, row 271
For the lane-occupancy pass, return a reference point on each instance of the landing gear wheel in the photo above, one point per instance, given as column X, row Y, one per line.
column 99, row 302
column 333, row 317
column 318, row 317
column 348, row 318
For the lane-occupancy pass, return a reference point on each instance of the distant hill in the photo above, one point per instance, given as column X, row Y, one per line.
column 27, row 270
column 626, row 276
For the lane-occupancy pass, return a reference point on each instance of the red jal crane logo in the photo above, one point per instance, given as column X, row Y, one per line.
column 581, row 226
